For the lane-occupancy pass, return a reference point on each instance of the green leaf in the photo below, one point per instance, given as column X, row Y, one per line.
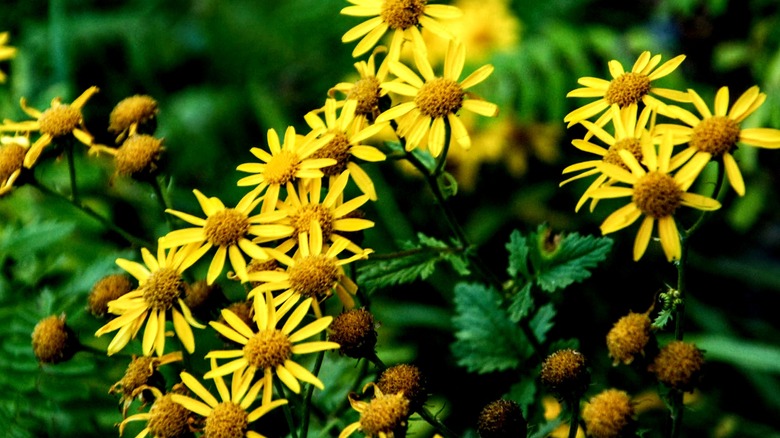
column 518, row 255
column 524, row 393
column 486, row 339
column 743, row 353
column 663, row 318
column 570, row 260
column 415, row 261
column 542, row 322
column 522, row 303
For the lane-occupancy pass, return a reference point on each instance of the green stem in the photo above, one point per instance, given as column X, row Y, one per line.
column 309, row 391
column 162, row 200
column 679, row 332
column 677, row 413
column 286, row 408
column 442, row 160
column 574, row 423
column 74, row 194
column 438, row 425
column 93, row 214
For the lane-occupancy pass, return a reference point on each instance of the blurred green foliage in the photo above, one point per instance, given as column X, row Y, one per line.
column 225, row 72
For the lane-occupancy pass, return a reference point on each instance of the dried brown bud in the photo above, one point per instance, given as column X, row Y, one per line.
column 406, row 379
column 354, row 331
column 565, row 374
column 502, row 419
column 107, row 289
column 53, row 341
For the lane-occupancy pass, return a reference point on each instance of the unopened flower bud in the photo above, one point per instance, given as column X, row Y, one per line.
column 502, row 419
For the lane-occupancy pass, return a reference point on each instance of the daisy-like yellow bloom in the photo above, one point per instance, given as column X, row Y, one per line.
column 383, row 416
column 55, row 122
column 230, row 230
column 366, row 90
column 631, row 130
column 314, row 271
column 269, row 349
column 231, row 416
column 402, row 16
column 436, row 100
column 12, row 153
column 6, row 52
column 285, row 163
column 160, row 290
column 626, row 88
column 716, row 135
column 334, row 216
column 165, row 419
column 654, row 193
column 348, row 134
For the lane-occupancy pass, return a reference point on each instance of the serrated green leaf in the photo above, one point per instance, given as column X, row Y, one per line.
column 418, row 263
column 518, row 255
column 486, row 339
column 663, row 318
column 571, row 261
column 524, row 393
column 521, row 304
column 542, row 322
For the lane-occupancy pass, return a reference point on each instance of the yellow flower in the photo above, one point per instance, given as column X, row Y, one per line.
column 230, row 230
column 12, row 153
column 285, row 163
column 383, row 416
column 654, row 193
column 269, row 349
column 366, row 90
column 332, row 214
column 630, row 132
column 313, row 271
column 57, row 121
column 165, row 419
column 348, row 134
column 6, row 52
column 402, row 16
column 223, row 418
column 626, row 88
column 716, row 135
column 160, row 288
column 436, row 100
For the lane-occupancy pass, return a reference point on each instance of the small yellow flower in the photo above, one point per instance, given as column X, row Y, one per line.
column 383, row 416
column 269, row 349
column 402, row 16
column 366, row 90
column 285, row 163
column 160, row 288
column 230, row 230
column 626, row 88
column 716, row 135
column 314, row 271
column 437, row 100
column 348, row 133
column 55, row 122
column 231, row 415
column 654, row 193
column 6, row 52
column 12, row 153
column 165, row 419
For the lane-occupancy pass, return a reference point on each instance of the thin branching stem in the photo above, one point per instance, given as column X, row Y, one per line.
column 306, row 411
column 286, row 408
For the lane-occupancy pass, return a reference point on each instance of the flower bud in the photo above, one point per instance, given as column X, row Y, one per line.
column 609, row 414
column 565, row 374
column 501, row 419
column 53, row 341
column 678, row 365
column 354, row 331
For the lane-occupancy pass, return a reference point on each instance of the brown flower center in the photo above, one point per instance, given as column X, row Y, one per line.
column 716, row 135
column 268, row 349
column 338, row 149
column 11, row 160
column 301, row 219
column 657, row 195
column 137, row 375
column 384, row 414
column 59, row 120
column 314, row 276
column 632, row 145
column 281, row 168
column 402, row 14
column 139, row 153
column 439, row 97
column 227, row 420
column 168, row 419
column 627, row 88
column 226, row 227
column 366, row 92
column 162, row 288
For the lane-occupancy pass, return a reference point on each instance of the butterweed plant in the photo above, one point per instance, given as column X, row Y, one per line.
column 330, row 279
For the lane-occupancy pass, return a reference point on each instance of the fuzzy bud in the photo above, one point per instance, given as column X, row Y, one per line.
column 609, row 414
column 53, row 341
column 354, row 331
column 406, row 379
column 678, row 365
column 107, row 289
column 565, row 374
column 501, row 419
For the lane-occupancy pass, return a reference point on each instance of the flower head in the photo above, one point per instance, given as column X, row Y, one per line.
column 313, row 271
column 53, row 341
column 12, row 153
column 285, row 163
column 160, row 289
column 105, row 290
column 142, row 378
column 268, row 348
column 229, row 230
column 165, row 419
column 134, row 114
column 626, row 88
column 655, row 193
column 678, row 365
column 230, row 417
column 501, row 419
column 717, row 134
column 436, row 100
column 402, row 17
column 384, row 416
column 565, row 374
column 366, row 90
column 628, row 337
column 59, row 120
column 6, row 52
column 354, row 330
column 349, row 133
column 406, row 379
column 609, row 414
